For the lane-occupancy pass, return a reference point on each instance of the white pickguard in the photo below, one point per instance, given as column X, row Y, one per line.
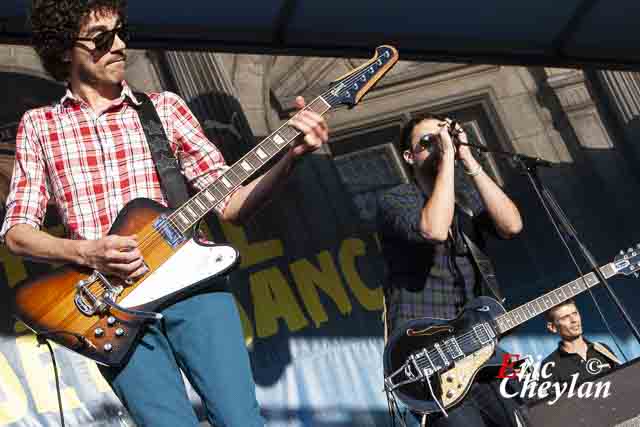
column 189, row 265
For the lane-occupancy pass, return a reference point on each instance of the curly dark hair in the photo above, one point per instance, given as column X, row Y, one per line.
column 55, row 25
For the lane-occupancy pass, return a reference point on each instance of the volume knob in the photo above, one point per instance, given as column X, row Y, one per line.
column 449, row 394
column 119, row 332
column 108, row 347
column 111, row 320
column 99, row 332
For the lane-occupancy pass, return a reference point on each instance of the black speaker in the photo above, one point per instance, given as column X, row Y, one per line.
column 620, row 409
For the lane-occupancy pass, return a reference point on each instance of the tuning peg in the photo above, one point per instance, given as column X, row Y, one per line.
column 636, row 275
column 630, row 250
column 621, row 252
column 638, row 245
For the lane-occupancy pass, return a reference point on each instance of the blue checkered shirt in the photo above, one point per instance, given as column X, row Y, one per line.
column 424, row 279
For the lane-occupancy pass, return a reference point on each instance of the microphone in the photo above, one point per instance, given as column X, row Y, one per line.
column 430, row 141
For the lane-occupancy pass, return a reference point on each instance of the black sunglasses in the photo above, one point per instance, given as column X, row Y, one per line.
column 103, row 42
column 426, row 141
column 429, row 139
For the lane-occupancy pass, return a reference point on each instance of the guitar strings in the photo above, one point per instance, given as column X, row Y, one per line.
column 152, row 238
column 462, row 340
column 154, row 235
column 327, row 94
column 470, row 336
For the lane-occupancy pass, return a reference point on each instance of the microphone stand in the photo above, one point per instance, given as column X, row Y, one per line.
column 530, row 166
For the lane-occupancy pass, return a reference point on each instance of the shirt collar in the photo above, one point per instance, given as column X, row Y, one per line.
column 124, row 94
column 563, row 352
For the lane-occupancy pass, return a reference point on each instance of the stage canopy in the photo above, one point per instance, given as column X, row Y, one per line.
column 601, row 33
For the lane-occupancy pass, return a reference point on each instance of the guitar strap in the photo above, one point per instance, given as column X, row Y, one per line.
column 605, row 351
column 489, row 284
column 172, row 181
column 485, row 268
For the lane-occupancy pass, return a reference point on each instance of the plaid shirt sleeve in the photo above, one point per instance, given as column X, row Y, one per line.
column 201, row 161
column 399, row 214
column 29, row 190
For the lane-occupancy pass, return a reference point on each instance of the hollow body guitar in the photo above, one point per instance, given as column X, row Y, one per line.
column 432, row 363
column 101, row 317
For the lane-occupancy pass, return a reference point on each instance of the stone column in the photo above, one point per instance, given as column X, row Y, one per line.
column 604, row 171
column 622, row 91
column 202, row 80
column 570, row 88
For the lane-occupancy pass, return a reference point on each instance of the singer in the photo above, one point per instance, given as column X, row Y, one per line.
column 431, row 239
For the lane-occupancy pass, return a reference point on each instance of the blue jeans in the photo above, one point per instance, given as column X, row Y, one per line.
column 201, row 335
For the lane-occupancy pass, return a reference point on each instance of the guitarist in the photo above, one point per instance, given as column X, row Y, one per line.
column 88, row 155
column 431, row 272
column 575, row 354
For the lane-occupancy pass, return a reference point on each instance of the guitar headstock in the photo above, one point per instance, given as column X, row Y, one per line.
column 351, row 87
column 628, row 262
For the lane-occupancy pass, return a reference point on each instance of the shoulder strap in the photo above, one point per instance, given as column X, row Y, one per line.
column 489, row 285
column 171, row 179
column 485, row 267
column 606, row 352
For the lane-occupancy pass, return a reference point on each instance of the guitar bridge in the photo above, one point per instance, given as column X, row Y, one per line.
column 443, row 357
column 92, row 292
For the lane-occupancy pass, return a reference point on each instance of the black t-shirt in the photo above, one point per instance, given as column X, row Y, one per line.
column 567, row 364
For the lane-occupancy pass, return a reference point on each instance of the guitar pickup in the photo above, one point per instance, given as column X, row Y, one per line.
column 484, row 333
column 454, row 348
column 169, row 231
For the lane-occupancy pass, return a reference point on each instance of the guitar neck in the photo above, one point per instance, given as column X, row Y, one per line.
column 202, row 203
column 541, row 304
column 348, row 90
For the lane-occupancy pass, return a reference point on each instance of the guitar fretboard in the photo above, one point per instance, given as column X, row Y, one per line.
column 541, row 304
column 346, row 90
column 199, row 205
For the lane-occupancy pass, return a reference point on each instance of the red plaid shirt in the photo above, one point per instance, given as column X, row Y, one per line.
column 92, row 165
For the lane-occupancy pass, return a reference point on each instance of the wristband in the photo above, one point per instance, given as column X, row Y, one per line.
column 474, row 172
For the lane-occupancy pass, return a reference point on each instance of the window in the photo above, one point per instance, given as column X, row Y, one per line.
column 369, row 162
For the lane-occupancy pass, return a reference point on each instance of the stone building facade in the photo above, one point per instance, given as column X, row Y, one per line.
column 584, row 118
column 588, row 119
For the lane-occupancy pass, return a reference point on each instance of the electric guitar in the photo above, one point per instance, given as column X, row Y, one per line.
column 430, row 364
column 101, row 316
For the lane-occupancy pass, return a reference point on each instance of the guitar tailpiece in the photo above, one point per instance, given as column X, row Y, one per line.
column 146, row 315
column 435, row 398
